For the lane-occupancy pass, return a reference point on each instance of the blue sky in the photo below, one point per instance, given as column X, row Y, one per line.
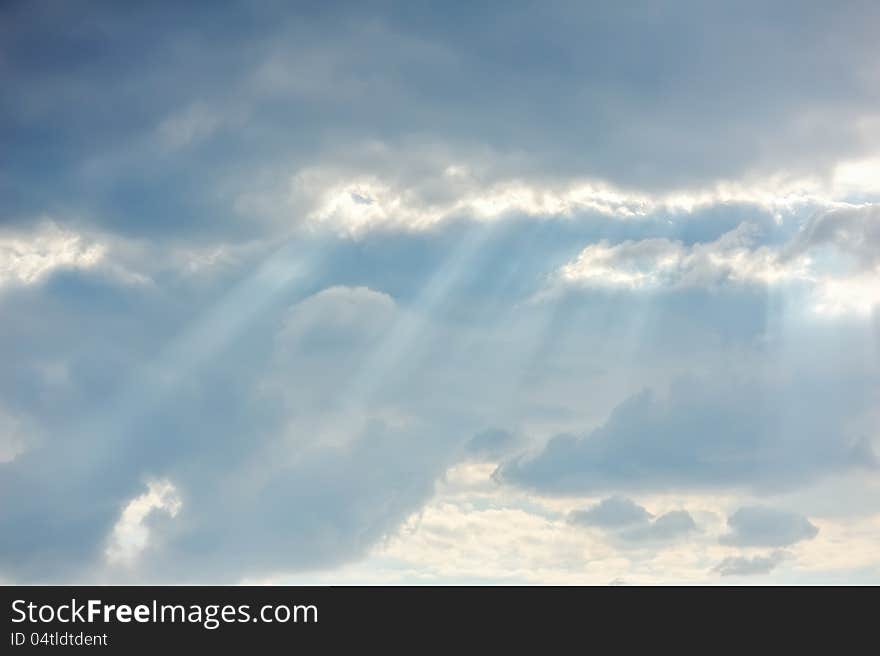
column 410, row 292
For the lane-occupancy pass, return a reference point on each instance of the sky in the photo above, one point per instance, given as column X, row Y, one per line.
column 430, row 293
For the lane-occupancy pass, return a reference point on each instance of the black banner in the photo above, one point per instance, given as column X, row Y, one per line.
column 136, row 619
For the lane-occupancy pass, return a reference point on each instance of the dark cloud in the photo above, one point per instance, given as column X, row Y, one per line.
column 667, row 527
column 759, row 526
column 853, row 231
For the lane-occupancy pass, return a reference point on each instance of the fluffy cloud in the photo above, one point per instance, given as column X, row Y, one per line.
column 758, row 526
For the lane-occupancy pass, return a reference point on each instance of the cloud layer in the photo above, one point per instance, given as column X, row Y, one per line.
column 291, row 290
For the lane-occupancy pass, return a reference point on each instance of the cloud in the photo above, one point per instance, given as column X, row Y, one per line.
column 130, row 535
column 491, row 444
column 735, row 258
column 759, row 526
column 12, row 437
column 298, row 262
column 668, row 527
column 325, row 506
column 700, row 434
column 196, row 123
column 355, row 202
column 848, row 242
column 336, row 317
column 859, row 294
column 854, row 231
column 661, row 262
column 629, row 523
column 658, row 112
column 28, row 257
column 611, row 512
column 242, row 385
column 247, row 441
column 750, row 566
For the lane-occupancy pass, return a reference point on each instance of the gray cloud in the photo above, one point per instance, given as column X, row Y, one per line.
column 325, row 507
column 236, row 383
column 491, row 444
column 667, row 527
column 750, row 566
column 611, row 512
column 652, row 106
column 853, row 231
column 759, row 526
column 630, row 524
column 266, row 481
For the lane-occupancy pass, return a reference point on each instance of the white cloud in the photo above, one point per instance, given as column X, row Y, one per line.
column 859, row 294
column 405, row 192
column 474, row 530
column 304, row 429
column 26, row 258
